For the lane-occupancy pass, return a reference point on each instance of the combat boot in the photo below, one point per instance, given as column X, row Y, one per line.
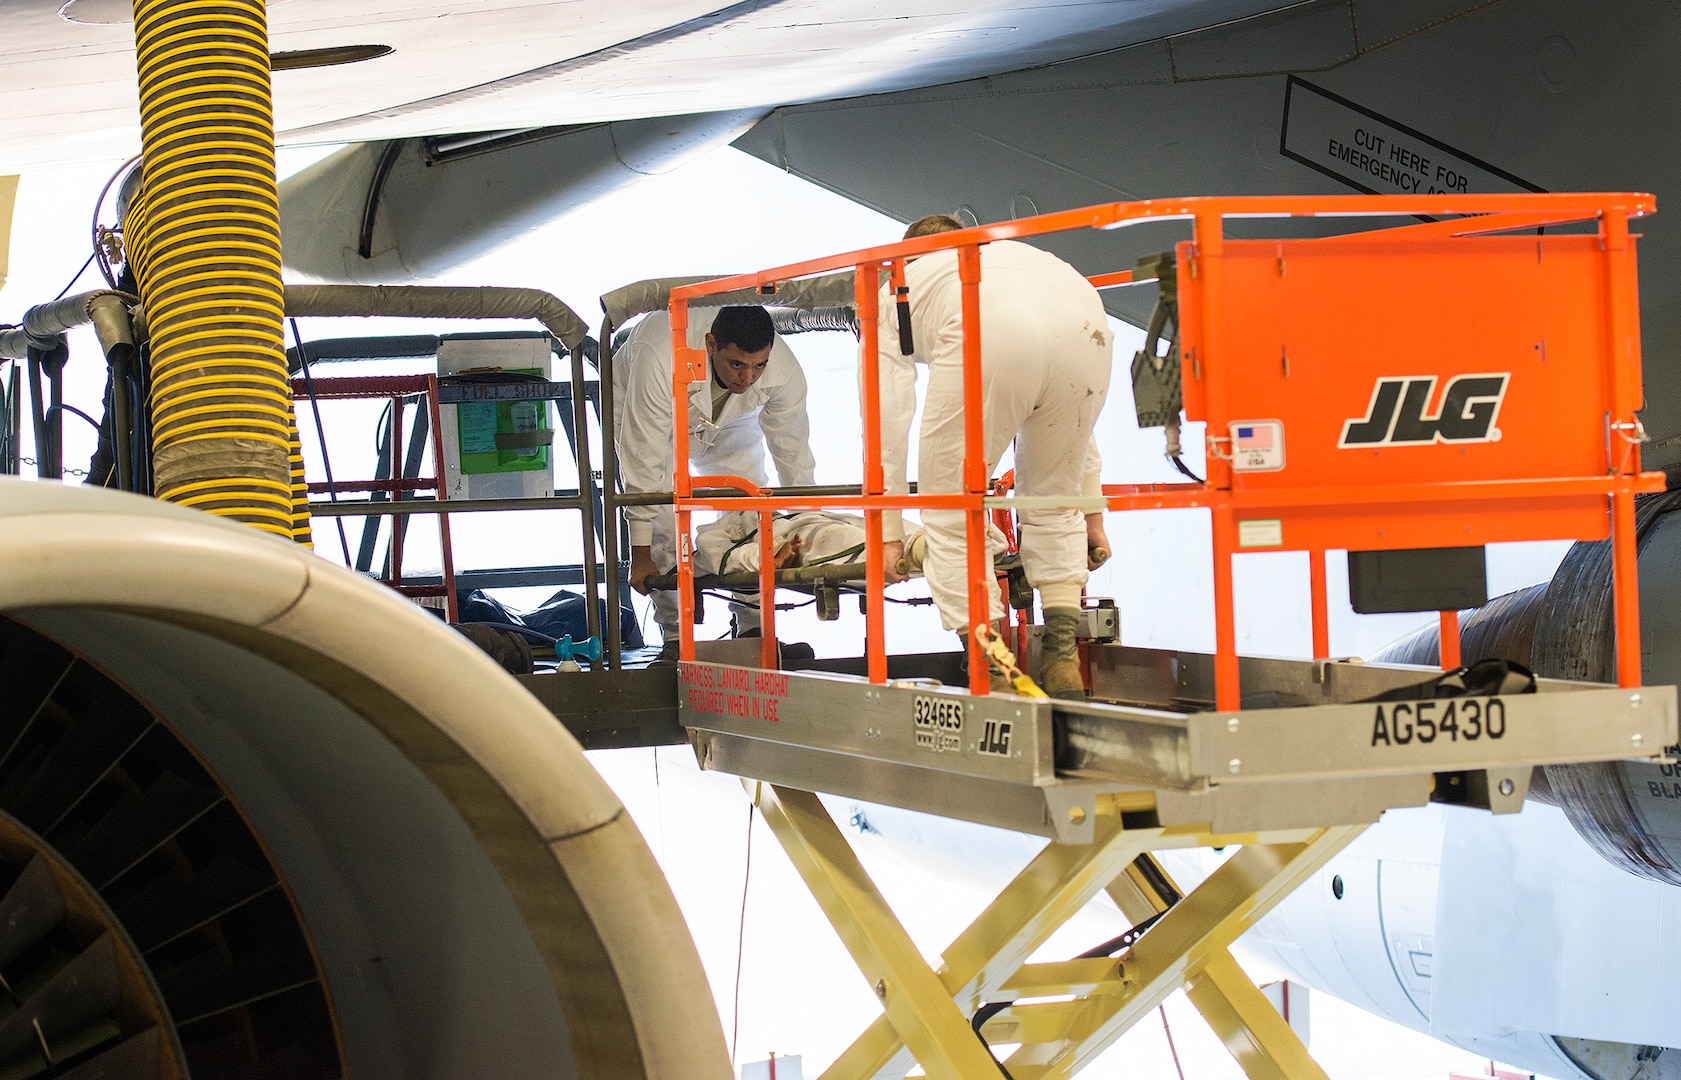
column 997, row 678
column 1059, row 660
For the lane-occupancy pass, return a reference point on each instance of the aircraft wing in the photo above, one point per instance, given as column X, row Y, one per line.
column 67, row 70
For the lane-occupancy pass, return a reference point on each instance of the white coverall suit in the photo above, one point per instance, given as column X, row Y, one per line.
column 1045, row 360
column 770, row 414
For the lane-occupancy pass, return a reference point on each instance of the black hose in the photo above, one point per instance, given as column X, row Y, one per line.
column 62, row 293
column 1152, row 874
column 982, row 1015
column 62, row 407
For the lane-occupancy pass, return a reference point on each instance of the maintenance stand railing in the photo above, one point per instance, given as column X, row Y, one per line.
column 1468, row 379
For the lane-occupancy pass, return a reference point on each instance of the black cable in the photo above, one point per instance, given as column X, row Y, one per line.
column 1151, row 872
column 320, row 433
column 1179, row 463
column 98, row 205
column 730, row 598
column 62, row 293
column 741, row 936
column 1172, row 1049
column 1169, row 896
column 61, row 407
column 982, row 1015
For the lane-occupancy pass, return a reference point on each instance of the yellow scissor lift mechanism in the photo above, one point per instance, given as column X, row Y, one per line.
column 1165, row 756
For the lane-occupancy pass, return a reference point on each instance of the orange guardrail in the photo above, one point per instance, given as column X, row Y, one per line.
column 1460, row 381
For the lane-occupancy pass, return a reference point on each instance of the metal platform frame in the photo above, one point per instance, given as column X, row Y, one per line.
column 1289, row 760
column 1110, row 784
column 1061, row 1015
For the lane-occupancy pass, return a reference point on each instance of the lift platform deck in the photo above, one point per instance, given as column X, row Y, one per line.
column 1040, row 765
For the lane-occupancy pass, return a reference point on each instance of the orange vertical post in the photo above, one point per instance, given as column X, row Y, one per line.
column 1624, row 445
column 974, row 465
column 864, row 292
column 1227, row 694
column 1448, row 639
column 685, row 588
column 682, row 374
column 1321, row 603
column 1206, row 251
column 1625, row 587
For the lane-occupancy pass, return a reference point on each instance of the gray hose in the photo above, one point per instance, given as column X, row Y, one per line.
column 44, row 325
column 787, row 321
column 440, row 302
column 830, row 291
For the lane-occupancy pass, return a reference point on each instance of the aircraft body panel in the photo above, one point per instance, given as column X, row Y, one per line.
column 1546, row 91
column 68, row 88
column 1512, row 934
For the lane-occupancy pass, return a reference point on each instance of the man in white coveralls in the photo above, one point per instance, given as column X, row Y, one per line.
column 753, row 399
column 1045, row 359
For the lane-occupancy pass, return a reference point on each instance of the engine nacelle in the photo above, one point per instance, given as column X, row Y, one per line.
column 292, row 825
column 398, row 212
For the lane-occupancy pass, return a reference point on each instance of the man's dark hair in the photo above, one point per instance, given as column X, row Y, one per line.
column 746, row 326
column 933, row 223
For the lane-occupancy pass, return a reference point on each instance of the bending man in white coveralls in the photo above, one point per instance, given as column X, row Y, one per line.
column 753, row 399
column 1045, row 360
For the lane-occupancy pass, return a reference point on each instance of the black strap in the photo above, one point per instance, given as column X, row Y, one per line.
column 1485, row 678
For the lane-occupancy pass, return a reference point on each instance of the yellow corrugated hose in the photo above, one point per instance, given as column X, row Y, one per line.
column 300, row 487
column 204, row 235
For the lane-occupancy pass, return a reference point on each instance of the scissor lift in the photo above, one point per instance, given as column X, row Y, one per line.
column 1347, row 348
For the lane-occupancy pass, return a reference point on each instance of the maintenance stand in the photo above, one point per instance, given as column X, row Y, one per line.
column 1456, row 371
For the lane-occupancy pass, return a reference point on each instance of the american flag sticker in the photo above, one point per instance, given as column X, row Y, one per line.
column 1257, row 445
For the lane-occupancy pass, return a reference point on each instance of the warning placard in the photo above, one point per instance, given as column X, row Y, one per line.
column 739, row 693
column 1374, row 154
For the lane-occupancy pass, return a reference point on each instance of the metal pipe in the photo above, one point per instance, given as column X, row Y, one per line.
column 370, row 508
column 53, row 455
column 38, row 415
column 43, row 329
column 586, row 512
column 122, row 451
column 610, row 498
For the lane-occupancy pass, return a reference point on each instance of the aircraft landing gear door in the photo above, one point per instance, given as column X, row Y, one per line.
column 497, row 444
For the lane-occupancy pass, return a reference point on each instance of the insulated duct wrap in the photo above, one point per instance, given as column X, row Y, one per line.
column 825, row 292
column 1629, row 812
column 204, row 237
column 1503, row 627
column 44, row 325
column 440, row 302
